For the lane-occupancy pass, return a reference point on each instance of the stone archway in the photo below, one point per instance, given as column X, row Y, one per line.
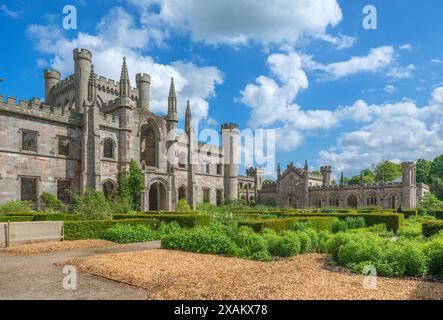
column 182, row 193
column 108, row 188
column 352, row 201
column 157, row 197
column 292, row 201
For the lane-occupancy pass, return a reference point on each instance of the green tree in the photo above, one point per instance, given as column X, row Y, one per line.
column 423, row 170
column 436, row 177
column 430, row 202
column 136, row 184
column 92, row 205
column 131, row 185
column 387, row 171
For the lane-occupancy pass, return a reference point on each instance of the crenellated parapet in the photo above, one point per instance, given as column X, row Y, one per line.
column 36, row 109
column 111, row 120
column 229, row 126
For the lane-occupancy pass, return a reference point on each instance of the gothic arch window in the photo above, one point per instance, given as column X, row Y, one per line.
column 371, row 200
column 183, row 159
column 316, row 202
column 149, row 145
column 182, row 193
column 334, row 201
column 352, row 202
column 108, row 149
column 292, row 201
column 393, row 201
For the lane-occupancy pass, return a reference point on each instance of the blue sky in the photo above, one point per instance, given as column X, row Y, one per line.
column 336, row 93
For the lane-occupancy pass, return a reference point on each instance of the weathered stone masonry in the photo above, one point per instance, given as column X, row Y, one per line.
column 89, row 128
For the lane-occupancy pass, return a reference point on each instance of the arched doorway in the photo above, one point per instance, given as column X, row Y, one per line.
column 292, row 201
column 393, row 201
column 157, row 197
column 149, row 145
column 182, row 193
column 108, row 189
column 352, row 202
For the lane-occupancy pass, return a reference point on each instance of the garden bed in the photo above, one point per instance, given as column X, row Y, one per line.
column 180, row 275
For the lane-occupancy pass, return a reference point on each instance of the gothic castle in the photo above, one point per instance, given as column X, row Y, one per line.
column 89, row 128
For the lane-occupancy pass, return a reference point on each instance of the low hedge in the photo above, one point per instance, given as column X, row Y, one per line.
column 392, row 221
column 410, row 213
column 429, row 228
column 84, row 230
column 184, row 220
column 438, row 214
column 319, row 223
column 15, row 218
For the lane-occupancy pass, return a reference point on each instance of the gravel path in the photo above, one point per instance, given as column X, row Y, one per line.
column 181, row 275
column 38, row 277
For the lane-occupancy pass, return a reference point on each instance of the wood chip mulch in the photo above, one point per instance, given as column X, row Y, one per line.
column 181, row 275
column 44, row 247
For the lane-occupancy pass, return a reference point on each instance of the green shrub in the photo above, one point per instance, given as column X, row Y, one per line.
column 249, row 242
column 50, row 202
column 92, row 205
column 336, row 241
column 301, row 225
column 121, row 205
column 406, row 259
column 183, row 205
column 168, row 228
column 16, row 207
column 202, row 239
column 339, row 226
column 432, row 227
column 355, row 223
column 286, row 244
column 122, row 233
column 357, row 251
column 323, row 238
column 84, row 230
column 434, row 253
column 49, row 217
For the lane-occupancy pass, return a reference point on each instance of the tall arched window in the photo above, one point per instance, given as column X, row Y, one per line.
column 371, row 200
column 352, row 202
column 108, row 149
column 334, row 201
column 149, row 145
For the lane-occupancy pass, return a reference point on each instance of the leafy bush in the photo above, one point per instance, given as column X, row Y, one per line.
column 92, row 205
column 432, row 227
column 16, row 207
column 50, row 202
column 406, row 258
column 123, row 233
column 355, row 223
column 183, row 205
column 434, row 253
column 358, row 250
column 249, row 242
column 84, row 230
column 202, row 239
column 184, row 220
column 168, row 228
column 121, row 205
column 301, row 225
column 339, row 226
column 286, row 244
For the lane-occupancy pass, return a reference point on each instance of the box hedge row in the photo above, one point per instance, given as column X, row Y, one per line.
column 392, row 221
column 281, row 224
column 84, row 230
column 184, row 220
column 432, row 227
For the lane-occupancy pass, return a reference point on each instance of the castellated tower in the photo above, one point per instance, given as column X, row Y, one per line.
column 230, row 135
column 52, row 78
column 82, row 65
column 143, row 85
column 326, row 172
column 409, row 185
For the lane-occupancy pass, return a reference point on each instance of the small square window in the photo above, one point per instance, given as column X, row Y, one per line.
column 64, row 146
column 29, row 140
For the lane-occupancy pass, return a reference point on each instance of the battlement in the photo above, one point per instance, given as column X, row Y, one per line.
column 82, row 54
column 229, row 126
column 326, row 169
column 408, row 164
column 35, row 108
column 109, row 120
column 54, row 74
column 143, row 77
column 67, row 81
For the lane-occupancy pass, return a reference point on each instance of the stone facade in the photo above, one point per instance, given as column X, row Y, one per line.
column 89, row 128
column 299, row 188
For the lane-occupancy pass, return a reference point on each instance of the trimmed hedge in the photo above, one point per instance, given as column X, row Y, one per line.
column 84, row 230
column 16, row 218
column 282, row 224
column 392, row 221
column 432, row 227
column 184, row 220
column 410, row 213
column 438, row 214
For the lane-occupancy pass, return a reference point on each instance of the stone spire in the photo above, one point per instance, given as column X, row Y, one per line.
column 92, row 85
column 188, row 118
column 306, row 168
column 125, row 87
column 278, row 170
column 342, row 179
column 172, row 103
column 361, row 178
